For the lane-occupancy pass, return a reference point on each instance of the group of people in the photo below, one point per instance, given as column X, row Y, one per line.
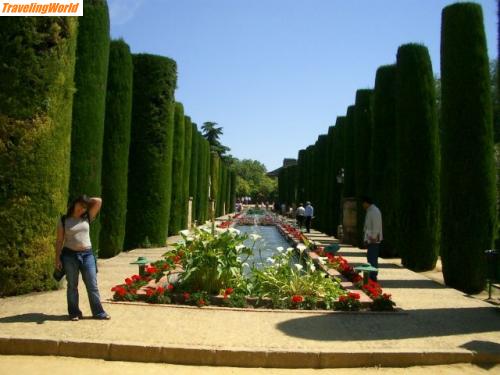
column 372, row 230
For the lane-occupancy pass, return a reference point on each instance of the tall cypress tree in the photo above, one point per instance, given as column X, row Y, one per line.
column 363, row 123
column 177, row 209
column 418, row 159
column 331, row 185
column 232, row 202
column 150, row 158
column 203, row 180
column 468, row 175
column 116, row 149
column 193, row 171
column 188, row 139
column 301, row 178
column 214, row 183
column 338, row 164
column 349, row 152
column 91, row 73
column 384, row 159
column 37, row 62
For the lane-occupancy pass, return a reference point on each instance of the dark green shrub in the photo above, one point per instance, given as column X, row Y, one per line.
column 37, row 62
column 468, row 175
column 177, row 208
column 203, row 180
column 214, row 182
column 193, row 171
column 301, row 175
column 418, row 159
column 384, row 159
column 91, row 71
column 350, row 175
column 232, row 201
column 116, row 149
column 188, row 140
column 150, row 159
column 363, row 123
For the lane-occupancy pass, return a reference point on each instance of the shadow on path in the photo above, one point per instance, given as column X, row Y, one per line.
column 38, row 318
column 411, row 284
column 416, row 324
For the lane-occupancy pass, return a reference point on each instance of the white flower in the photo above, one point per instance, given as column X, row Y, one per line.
column 255, row 237
column 189, row 239
column 322, row 260
column 280, row 249
column 298, row 266
column 311, row 267
column 289, row 250
column 239, row 247
column 245, row 265
column 181, row 242
column 184, row 233
column 238, row 259
column 206, row 229
column 270, row 260
column 301, row 247
column 234, row 231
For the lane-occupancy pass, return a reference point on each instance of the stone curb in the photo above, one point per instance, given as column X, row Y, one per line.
column 202, row 356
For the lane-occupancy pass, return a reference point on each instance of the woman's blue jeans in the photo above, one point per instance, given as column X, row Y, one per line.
column 84, row 261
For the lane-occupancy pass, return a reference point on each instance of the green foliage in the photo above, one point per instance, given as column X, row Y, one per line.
column 116, row 149
column 349, row 155
column 214, row 176
column 232, row 200
column 150, row 158
column 212, row 261
column 363, row 123
column 418, row 159
column 186, row 174
column 284, row 278
column 212, row 134
column 384, row 159
column 91, row 73
column 468, row 176
column 37, row 61
column 177, row 208
column 193, row 171
column 252, row 180
column 302, row 172
column 203, row 180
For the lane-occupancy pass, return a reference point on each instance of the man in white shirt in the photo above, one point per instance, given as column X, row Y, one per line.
column 300, row 214
column 309, row 214
column 372, row 233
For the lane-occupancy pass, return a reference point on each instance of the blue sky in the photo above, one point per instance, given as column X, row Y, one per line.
column 275, row 74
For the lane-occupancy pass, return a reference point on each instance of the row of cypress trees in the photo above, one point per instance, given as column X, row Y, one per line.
column 80, row 114
column 432, row 176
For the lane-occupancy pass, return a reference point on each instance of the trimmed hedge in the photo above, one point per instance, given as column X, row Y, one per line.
column 418, row 159
column 203, row 180
column 214, row 182
column 37, row 61
column 384, row 159
column 116, row 149
column 232, row 201
column 186, row 174
column 468, row 174
column 349, row 162
column 193, row 171
column 91, row 73
column 338, row 163
column 177, row 208
column 302, row 171
column 150, row 159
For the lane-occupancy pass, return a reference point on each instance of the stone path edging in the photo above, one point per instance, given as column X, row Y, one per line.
column 235, row 357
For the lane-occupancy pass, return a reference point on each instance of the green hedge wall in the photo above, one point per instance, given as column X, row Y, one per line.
column 35, row 130
column 350, row 168
column 214, row 181
column 203, row 179
column 418, row 159
column 116, row 149
column 186, row 174
column 301, row 162
column 468, row 175
column 150, row 159
column 384, row 159
column 91, row 73
column 232, row 201
column 338, row 163
column 177, row 208
column 193, row 171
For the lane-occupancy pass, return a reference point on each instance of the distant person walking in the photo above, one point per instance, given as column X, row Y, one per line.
column 74, row 255
column 300, row 215
column 372, row 233
column 309, row 214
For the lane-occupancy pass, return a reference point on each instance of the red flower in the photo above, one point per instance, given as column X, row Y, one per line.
column 297, row 299
column 354, row 295
column 342, row 298
column 357, row 278
column 186, row 296
column 121, row 291
column 386, row 296
column 160, row 290
column 170, row 287
column 150, row 292
column 151, row 269
column 136, row 278
column 177, row 259
column 128, row 281
column 201, row 302
column 229, row 291
column 166, row 266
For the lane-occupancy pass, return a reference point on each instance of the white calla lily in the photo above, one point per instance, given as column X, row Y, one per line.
column 280, row 249
column 270, row 260
column 298, row 266
column 239, row 247
column 255, row 237
column 234, row 231
column 301, row 247
column 184, row 232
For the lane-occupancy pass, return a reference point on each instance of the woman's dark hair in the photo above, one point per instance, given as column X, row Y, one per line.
column 83, row 199
column 366, row 199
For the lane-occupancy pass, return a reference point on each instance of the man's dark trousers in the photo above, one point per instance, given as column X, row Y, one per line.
column 372, row 255
column 308, row 223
